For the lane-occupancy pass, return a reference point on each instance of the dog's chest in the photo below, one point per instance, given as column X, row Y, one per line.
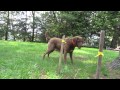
column 69, row 48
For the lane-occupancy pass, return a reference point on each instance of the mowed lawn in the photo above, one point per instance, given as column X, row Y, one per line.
column 23, row 60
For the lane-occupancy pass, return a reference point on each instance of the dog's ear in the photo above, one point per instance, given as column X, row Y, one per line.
column 80, row 39
column 74, row 39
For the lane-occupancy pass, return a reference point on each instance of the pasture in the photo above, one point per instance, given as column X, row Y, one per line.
column 23, row 60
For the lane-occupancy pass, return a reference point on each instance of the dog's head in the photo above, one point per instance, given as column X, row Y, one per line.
column 78, row 41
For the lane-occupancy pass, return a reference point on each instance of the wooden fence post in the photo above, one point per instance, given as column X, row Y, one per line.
column 61, row 54
column 100, row 54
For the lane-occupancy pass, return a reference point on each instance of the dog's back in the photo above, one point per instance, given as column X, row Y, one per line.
column 55, row 43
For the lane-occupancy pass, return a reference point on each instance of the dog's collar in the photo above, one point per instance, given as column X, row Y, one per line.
column 73, row 43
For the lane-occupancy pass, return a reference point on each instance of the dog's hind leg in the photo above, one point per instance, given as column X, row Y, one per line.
column 44, row 56
column 51, row 48
column 48, row 52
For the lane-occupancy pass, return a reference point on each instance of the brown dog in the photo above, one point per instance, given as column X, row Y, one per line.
column 69, row 46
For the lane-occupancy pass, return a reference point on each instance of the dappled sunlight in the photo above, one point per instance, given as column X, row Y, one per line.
column 13, row 43
column 81, row 51
column 19, row 51
column 49, row 75
column 52, row 75
column 79, row 57
column 86, row 51
column 10, row 43
column 89, row 49
column 90, row 61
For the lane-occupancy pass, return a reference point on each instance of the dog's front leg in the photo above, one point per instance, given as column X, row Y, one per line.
column 71, row 57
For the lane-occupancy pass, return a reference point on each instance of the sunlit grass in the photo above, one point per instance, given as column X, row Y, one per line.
column 23, row 60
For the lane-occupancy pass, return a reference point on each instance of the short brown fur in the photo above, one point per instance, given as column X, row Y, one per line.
column 69, row 46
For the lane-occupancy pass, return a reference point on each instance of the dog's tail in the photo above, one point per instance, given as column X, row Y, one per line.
column 47, row 36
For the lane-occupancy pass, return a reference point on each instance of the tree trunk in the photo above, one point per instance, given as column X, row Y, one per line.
column 24, row 39
column 25, row 32
column 7, row 29
column 55, row 17
column 33, row 13
column 119, row 41
column 14, row 38
column 114, row 40
column 36, row 36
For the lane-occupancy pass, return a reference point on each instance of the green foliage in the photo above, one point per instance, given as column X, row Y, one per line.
column 32, row 27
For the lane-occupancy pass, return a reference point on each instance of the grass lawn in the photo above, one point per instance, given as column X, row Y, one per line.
column 23, row 60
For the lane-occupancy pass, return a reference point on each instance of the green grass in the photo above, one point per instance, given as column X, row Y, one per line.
column 23, row 60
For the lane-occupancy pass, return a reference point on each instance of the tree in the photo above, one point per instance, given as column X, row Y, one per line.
column 14, row 27
column 23, row 25
column 66, row 22
column 7, row 29
column 33, row 27
column 87, row 24
column 106, row 20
